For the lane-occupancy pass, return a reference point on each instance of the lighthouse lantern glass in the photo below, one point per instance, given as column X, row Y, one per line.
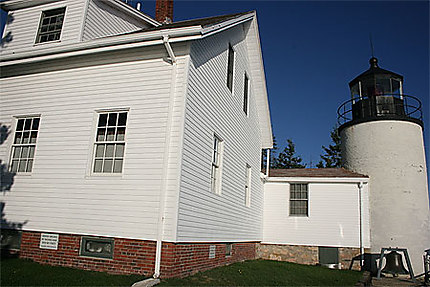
column 355, row 91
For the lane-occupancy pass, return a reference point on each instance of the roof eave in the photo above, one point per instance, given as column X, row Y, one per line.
column 12, row 5
column 104, row 44
column 136, row 13
column 118, row 41
column 309, row 179
column 263, row 107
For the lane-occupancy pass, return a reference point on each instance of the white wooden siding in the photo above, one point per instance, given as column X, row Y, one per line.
column 61, row 195
column 212, row 108
column 24, row 24
column 259, row 82
column 333, row 216
column 104, row 20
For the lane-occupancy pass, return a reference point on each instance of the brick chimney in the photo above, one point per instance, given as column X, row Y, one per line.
column 164, row 11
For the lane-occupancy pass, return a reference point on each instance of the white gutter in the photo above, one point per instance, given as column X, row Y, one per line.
column 169, row 48
column 162, row 202
column 227, row 24
column 317, row 179
column 132, row 40
column 268, row 162
column 21, row 4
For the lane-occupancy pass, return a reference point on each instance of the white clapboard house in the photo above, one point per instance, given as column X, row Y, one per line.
column 131, row 140
column 316, row 216
column 133, row 145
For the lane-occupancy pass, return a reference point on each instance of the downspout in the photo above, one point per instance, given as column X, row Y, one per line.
column 162, row 203
column 360, row 187
column 268, row 162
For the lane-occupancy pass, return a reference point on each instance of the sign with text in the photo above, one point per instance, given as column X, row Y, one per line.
column 49, row 241
column 212, row 250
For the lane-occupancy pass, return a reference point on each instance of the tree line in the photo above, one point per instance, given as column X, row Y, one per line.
column 287, row 158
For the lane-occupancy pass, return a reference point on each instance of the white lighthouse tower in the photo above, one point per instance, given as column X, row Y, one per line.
column 382, row 136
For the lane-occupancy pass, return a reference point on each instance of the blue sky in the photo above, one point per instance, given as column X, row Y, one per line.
column 312, row 50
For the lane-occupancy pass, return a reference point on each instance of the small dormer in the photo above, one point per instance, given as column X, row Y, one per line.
column 38, row 24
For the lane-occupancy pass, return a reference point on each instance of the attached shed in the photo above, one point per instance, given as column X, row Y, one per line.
column 315, row 216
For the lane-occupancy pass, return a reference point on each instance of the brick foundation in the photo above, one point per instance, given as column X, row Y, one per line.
column 304, row 254
column 136, row 256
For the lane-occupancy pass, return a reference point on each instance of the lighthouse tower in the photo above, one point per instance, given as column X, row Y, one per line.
column 381, row 133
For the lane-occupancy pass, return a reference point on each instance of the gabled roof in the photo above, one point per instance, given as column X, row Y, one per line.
column 175, row 32
column 314, row 172
column 203, row 22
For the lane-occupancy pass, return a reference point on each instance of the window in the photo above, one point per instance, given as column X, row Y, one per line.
column 110, row 142
column 97, row 247
column 230, row 66
column 245, row 95
column 248, row 186
column 24, row 144
column 299, row 199
column 216, row 165
column 228, row 249
column 328, row 255
column 50, row 25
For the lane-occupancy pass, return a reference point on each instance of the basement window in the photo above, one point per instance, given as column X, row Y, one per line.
column 97, row 247
column 51, row 24
column 328, row 256
column 11, row 239
column 228, row 249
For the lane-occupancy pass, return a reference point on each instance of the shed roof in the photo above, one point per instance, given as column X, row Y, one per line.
column 314, row 172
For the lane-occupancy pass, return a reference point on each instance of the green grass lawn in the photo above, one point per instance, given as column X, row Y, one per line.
column 268, row 273
column 20, row 272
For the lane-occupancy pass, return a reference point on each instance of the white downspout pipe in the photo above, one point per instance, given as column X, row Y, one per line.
column 162, row 203
column 360, row 187
column 267, row 162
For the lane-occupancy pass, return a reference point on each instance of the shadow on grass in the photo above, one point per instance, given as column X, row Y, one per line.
column 20, row 272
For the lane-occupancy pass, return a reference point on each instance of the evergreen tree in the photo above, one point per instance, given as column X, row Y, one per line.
column 288, row 158
column 332, row 156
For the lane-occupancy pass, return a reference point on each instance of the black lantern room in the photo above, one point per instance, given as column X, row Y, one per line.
column 377, row 94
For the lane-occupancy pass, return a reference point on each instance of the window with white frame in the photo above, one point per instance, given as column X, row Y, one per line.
column 24, row 144
column 248, row 186
column 216, row 165
column 51, row 24
column 230, row 67
column 246, row 95
column 299, row 199
column 110, row 142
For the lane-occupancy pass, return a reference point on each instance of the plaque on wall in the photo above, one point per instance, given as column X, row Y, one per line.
column 49, row 241
column 212, row 250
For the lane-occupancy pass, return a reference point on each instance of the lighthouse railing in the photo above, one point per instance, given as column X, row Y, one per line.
column 402, row 107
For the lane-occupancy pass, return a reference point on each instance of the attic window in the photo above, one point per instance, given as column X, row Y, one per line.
column 50, row 26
